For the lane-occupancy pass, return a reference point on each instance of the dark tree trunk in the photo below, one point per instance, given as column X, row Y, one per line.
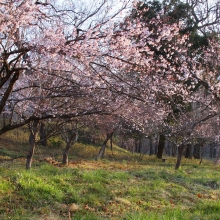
column 102, row 150
column 168, row 152
column 217, row 156
column 215, row 153
column 138, row 146
column 191, row 152
column 188, row 151
column 173, row 150
column 151, row 146
column 197, row 151
column 211, row 151
column 43, row 139
column 167, row 149
column 33, row 126
column 201, row 154
column 111, row 144
column 156, row 145
column 161, row 146
column 181, row 150
column 14, row 77
column 4, row 119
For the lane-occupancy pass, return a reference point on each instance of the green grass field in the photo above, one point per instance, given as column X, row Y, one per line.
column 122, row 186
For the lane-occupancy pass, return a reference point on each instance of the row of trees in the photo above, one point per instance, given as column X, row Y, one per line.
column 152, row 67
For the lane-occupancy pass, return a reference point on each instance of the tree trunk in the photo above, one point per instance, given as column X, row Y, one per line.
column 30, row 156
column 197, row 151
column 156, row 145
column 217, row 155
column 151, row 146
column 161, row 146
column 188, row 151
column 102, row 150
column 65, row 160
column 4, row 119
column 43, row 139
column 168, row 149
column 33, row 126
column 69, row 142
column 137, row 146
column 201, row 154
column 173, row 150
column 211, row 151
column 111, row 145
column 181, row 150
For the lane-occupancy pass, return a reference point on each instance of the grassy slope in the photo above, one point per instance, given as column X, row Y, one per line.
column 119, row 187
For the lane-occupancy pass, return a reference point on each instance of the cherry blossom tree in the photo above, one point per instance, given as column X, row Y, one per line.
column 97, row 77
column 41, row 65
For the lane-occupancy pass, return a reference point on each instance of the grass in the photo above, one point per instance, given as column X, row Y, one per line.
column 119, row 187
